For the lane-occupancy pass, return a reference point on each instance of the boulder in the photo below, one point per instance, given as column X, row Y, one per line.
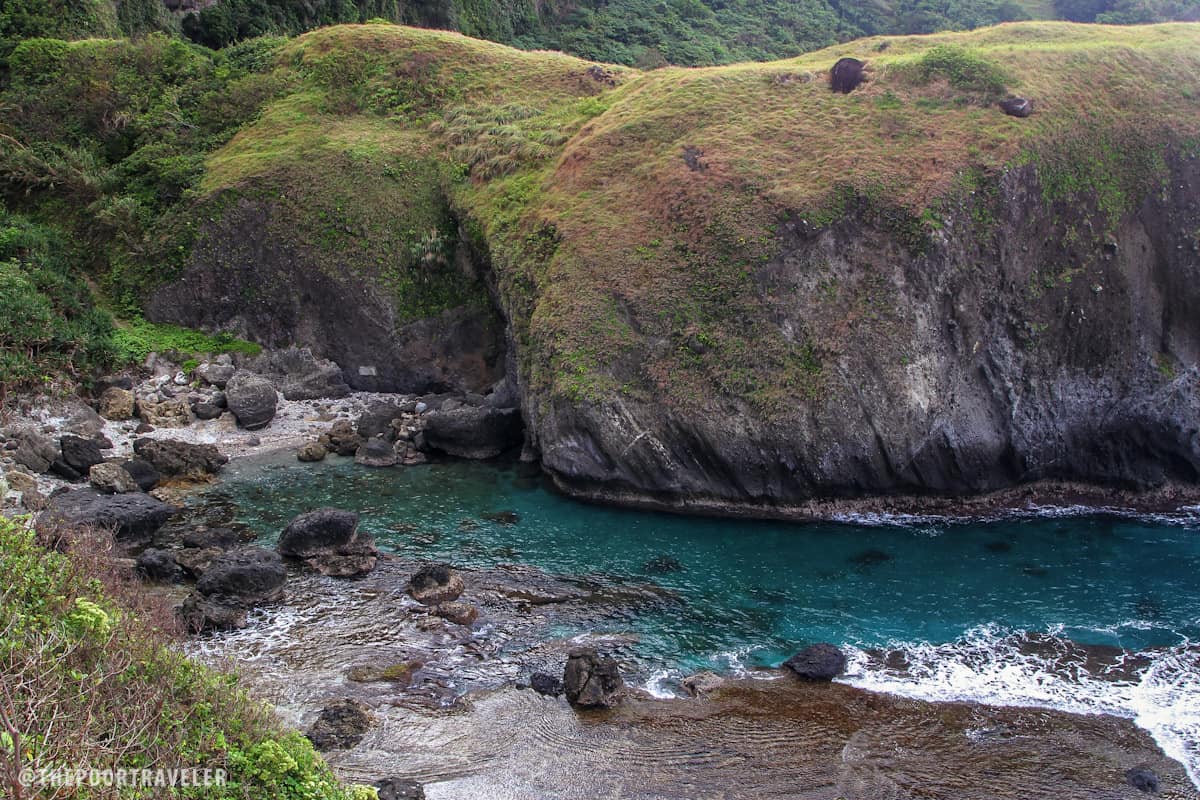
column 83, row 421
column 112, row 478
column 143, row 473
column 214, row 373
column 116, row 403
column 199, row 613
column 311, row 451
column 545, row 684
column 342, row 438
column 245, row 577
column 171, row 412
column 376, row 453
column 252, row 399
column 399, row 789
column 34, row 449
column 176, row 459
column 195, row 560
column 377, row 421
column 591, row 680
column 302, row 376
column 1016, row 106
column 207, row 409
column 132, row 517
column 220, row 538
column 341, row 724
column 846, row 75
column 65, row 471
column 818, row 662
column 329, row 541
column 1143, row 779
column 157, row 565
column 434, row 584
column 20, row 481
column 473, row 432
column 458, row 613
column 702, row 683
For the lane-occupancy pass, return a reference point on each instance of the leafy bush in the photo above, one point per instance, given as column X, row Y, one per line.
column 964, row 69
column 89, row 679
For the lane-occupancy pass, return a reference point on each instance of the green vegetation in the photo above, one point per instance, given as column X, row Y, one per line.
column 962, row 68
column 137, row 339
column 89, row 682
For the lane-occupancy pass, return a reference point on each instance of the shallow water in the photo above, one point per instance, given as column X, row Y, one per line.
column 986, row 610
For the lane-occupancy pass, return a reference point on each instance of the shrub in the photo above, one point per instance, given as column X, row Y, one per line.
column 963, row 68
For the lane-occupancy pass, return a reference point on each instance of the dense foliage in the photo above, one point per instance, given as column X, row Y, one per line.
column 89, row 681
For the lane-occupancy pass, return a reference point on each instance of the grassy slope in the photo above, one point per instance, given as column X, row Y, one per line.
column 605, row 240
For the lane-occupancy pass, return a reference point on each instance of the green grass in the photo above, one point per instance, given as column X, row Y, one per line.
column 138, row 338
column 91, row 681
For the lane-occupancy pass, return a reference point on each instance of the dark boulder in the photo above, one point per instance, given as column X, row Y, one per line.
column 252, row 399
column 133, row 518
column 1143, row 779
column 34, row 449
column 176, row 459
column 435, row 583
column 473, row 432
column 329, row 541
column 195, row 560
column 158, row 565
column 376, row 453
column 590, row 680
column 206, row 409
column 246, row 577
column 65, row 471
column 341, row 724
column 215, row 373
column 376, row 421
column 545, row 684
column 818, row 662
column 399, row 789
column 846, row 75
column 1016, row 106
column 199, row 613
column 143, row 473
column 80, row 454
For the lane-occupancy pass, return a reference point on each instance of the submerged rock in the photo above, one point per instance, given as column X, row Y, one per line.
column 590, row 680
column 435, row 583
column 252, row 399
column 818, row 662
column 545, row 684
column 329, row 541
column 399, row 674
column 341, row 725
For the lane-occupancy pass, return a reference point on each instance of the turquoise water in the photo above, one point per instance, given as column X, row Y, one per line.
column 763, row 588
column 958, row 600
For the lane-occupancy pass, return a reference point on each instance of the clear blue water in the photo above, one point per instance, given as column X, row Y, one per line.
column 958, row 600
column 761, row 589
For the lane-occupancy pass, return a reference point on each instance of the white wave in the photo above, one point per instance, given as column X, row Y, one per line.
column 1159, row 690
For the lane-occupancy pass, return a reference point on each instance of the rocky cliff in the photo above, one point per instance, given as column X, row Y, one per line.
column 729, row 288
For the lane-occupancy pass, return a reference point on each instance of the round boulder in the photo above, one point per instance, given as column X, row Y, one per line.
column 310, row 452
column 434, row 584
column 818, row 662
column 252, row 399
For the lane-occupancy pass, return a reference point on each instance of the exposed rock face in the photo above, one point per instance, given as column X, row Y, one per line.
column 116, row 403
column 818, row 662
column 231, row 585
column 342, row 724
column 176, row 459
column 473, row 431
column 300, row 375
column 987, row 366
column 252, row 399
column 591, row 681
column 132, row 517
column 435, row 583
column 329, row 541
column 112, row 478
column 346, row 315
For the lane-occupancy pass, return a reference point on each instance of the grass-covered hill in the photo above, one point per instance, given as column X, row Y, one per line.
column 723, row 243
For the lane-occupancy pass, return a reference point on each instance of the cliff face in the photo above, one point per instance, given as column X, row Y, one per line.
column 730, row 289
column 1006, row 348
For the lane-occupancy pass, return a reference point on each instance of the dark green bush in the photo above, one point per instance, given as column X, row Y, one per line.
column 964, row 69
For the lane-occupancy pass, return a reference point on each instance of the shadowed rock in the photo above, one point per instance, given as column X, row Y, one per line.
column 818, row 662
column 132, row 518
column 846, row 75
column 591, row 680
